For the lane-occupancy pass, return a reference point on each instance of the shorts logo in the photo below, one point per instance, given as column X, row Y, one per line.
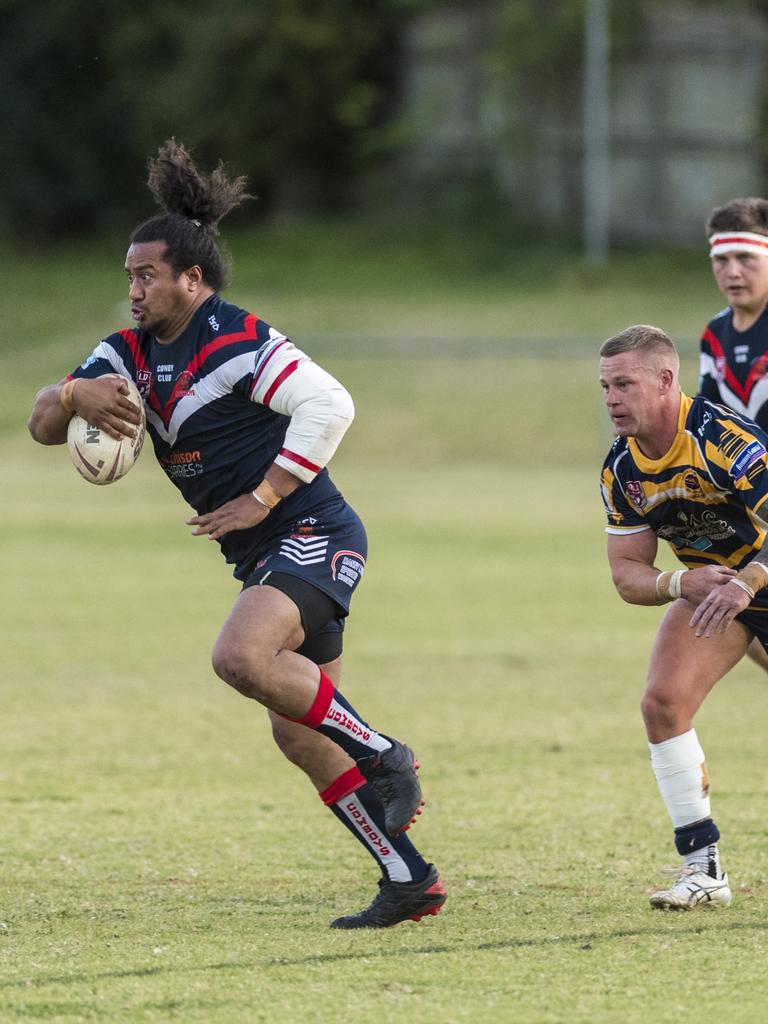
column 749, row 456
column 347, row 567
column 304, row 550
column 636, row 494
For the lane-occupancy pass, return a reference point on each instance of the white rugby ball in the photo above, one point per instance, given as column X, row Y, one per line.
column 99, row 458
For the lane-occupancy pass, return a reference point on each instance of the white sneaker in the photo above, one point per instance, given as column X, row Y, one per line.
column 693, row 888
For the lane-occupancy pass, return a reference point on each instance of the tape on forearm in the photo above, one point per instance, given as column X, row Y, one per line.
column 669, row 585
column 66, row 396
column 754, row 576
column 266, row 495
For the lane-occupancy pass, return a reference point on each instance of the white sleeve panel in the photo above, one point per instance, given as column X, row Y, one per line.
column 321, row 409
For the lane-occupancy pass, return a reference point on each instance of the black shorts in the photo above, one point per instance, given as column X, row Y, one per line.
column 318, row 564
column 755, row 617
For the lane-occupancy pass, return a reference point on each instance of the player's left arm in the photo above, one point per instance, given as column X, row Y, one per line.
column 320, row 411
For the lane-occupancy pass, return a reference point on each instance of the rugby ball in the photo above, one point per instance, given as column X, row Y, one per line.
column 99, row 458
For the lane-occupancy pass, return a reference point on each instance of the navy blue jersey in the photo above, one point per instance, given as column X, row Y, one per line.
column 213, row 438
column 705, row 496
column 733, row 366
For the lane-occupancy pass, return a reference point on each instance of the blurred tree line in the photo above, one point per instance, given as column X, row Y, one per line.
column 289, row 92
column 296, row 94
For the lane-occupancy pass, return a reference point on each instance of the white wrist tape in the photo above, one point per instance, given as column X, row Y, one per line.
column 669, row 585
column 742, row 586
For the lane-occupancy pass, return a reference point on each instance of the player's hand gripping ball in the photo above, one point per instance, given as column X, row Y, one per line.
column 102, row 459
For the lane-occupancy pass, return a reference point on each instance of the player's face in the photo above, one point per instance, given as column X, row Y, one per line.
column 633, row 389
column 159, row 300
column 742, row 277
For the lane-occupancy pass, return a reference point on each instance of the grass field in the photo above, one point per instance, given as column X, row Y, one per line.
column 161, row 863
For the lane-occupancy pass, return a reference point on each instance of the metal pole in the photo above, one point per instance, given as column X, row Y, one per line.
column 596, row 130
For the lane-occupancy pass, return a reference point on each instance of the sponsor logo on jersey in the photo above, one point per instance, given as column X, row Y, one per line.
column 181, row 465
column 748, row 457
column 144, row 383
column 183, row 385
column 347, row 567
column 165, row 373
column 213, row 322
column 636, row 494
column 696, row 532
column 91, row 359
column 691, row 481
column 705, row 420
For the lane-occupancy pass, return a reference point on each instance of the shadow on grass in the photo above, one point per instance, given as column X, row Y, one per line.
column 584, row 940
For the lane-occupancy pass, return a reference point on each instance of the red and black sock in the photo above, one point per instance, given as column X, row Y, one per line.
column 357, row 807
column 334, row 717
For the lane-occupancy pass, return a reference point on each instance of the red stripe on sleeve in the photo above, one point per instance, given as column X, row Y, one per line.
column 263, row 366
column 299, row 460
column 279, row 380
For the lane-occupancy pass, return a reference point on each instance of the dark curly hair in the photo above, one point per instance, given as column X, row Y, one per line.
column 740, row 215
column 193, row 204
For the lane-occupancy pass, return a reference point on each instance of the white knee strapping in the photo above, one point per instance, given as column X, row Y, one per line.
column 681, row 773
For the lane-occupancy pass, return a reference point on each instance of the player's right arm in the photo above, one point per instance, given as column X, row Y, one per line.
column 635, row 577
column 101, row 401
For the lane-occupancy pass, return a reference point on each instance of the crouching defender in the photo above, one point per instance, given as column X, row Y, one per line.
column 243, row 423
column 696, row 475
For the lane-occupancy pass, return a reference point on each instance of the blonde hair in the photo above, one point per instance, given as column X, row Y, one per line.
column 641, row 338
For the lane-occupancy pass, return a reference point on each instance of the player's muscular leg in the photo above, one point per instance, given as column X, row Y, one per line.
column 254, row 652
column 321, row 759
column 683, row 669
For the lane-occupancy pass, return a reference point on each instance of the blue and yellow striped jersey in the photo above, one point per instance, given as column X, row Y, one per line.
column 703, row 496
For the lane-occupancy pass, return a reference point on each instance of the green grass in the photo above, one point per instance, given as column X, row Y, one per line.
column 161, row 863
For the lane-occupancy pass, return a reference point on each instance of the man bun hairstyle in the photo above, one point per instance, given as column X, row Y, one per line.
column 640, row 338
column 193, row 204
column 750, row 214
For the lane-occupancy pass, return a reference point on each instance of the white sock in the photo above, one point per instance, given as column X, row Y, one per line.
column 706, row 859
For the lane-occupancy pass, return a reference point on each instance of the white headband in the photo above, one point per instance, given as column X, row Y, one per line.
column 738, row 241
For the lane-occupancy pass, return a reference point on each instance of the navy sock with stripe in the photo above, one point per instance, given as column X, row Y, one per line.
column 334, row 717
column 357, row 807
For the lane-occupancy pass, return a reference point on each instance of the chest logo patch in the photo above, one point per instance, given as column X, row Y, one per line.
column 636, row 494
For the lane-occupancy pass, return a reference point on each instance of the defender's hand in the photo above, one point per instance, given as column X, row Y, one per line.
column 104, row 403
column 699, row 583
column 718, row 610
column 238, row 514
